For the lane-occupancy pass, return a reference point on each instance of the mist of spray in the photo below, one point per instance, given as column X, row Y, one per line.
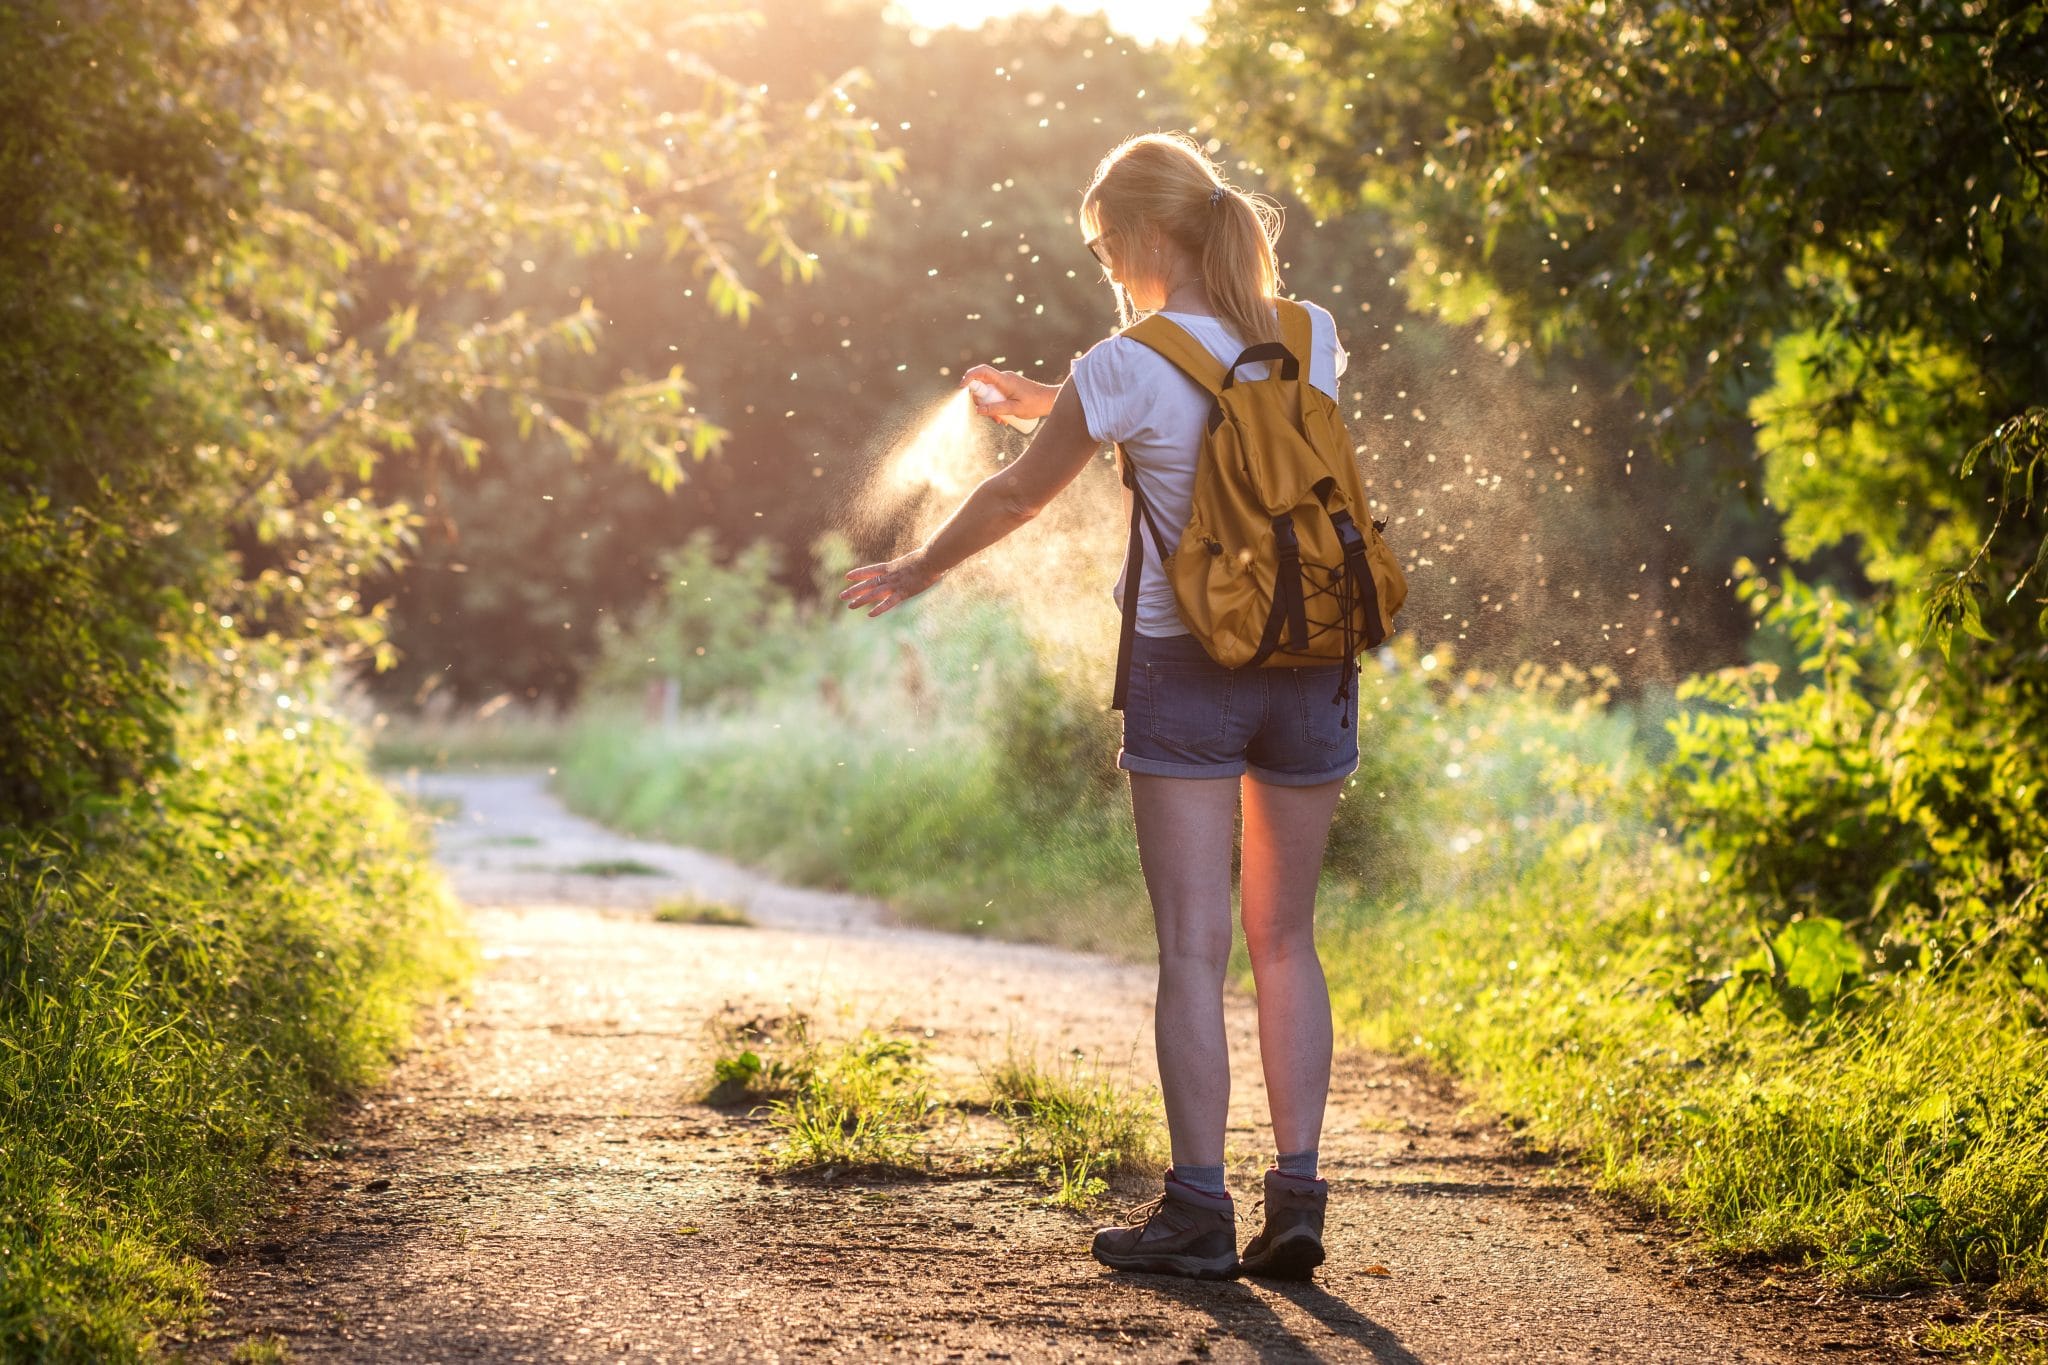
column 1056, row 572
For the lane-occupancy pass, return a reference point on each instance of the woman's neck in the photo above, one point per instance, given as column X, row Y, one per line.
column 1191, row 296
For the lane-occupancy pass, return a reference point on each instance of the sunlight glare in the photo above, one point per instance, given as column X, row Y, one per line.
column 1144, row 21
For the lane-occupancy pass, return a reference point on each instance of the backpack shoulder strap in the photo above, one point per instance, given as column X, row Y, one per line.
column 1188, row 355
column 1297, row 332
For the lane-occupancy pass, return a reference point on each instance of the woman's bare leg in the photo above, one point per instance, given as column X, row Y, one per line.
column 1186, row 830
column 1285, row 830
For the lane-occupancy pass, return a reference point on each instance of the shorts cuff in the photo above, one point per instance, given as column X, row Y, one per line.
column 1273, row 779
column 1159, row 767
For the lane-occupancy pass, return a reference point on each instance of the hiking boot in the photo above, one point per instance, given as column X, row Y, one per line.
column 1181, row 1232
column 1290, row 1245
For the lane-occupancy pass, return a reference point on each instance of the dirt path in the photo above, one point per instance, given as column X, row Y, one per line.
column 538, row 1183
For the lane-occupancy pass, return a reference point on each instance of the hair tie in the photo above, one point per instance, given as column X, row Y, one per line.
column 1215, row 196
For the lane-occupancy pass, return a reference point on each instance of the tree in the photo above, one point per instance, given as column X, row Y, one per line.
column 211, row 206
column 1824, row 218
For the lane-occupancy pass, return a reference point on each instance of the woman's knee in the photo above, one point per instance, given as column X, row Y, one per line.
column 1274, row 945
column 1197, row 957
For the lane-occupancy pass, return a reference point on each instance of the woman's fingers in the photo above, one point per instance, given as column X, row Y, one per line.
column 881, row 600
column 885, row 585
column 870, row 586
column 860, row 596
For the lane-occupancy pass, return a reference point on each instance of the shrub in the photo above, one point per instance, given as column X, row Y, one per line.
column 181, row 993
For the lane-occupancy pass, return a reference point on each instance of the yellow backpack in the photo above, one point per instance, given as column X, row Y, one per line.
column 1281, row 563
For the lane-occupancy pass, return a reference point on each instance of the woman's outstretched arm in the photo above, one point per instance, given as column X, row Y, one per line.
column 1000, row 504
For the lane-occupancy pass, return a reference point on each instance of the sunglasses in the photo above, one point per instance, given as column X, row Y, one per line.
column 1099, row 251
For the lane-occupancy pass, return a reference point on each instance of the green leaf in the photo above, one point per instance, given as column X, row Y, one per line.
column 404, row 323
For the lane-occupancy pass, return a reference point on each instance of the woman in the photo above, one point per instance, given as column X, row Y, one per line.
column 1174, row 238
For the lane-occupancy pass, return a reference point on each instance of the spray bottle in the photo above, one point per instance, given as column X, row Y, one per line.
column 984, row 394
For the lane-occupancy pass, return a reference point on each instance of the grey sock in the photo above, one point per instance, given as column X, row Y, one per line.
column 1302, row 1164
column 1207, row 1179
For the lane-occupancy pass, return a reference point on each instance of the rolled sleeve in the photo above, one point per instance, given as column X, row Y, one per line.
column 1097, row 377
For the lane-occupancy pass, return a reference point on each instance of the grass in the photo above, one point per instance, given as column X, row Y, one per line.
column 1994, row 1339
column 873, row 774
column 1901, row 1140
column 614, row 867
column 863, row 1105
column 871, row 1104
column 757, row 1057
column 1074, row 1127
column 180, row 998
column 690, row 910
column 494, row 735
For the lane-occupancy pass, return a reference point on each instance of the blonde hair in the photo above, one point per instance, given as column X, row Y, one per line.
column 1166, row 181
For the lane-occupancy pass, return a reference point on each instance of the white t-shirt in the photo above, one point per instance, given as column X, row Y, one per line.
column 1136, row 397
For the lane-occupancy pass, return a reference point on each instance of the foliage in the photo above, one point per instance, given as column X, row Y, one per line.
column 1993, row 1339
column 1809, row 1022
column 720, row 630
column 834, row 362
column 1073, row 1125
column 692, row 910
column 254, row 250
column 180, row 998
column 496, row 734
column 863, row 1103
column 1726, row 196
column 1859, row 797
column 1518, row 493
column 758, row 1057
column 2017, row 452
column 854, row 753
column 1898, row 1142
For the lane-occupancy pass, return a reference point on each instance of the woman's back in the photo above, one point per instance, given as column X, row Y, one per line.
column 1137, row 398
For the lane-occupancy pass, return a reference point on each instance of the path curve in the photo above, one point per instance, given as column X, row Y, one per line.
column 538, row 1183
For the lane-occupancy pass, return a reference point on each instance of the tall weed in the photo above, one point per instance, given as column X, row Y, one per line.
column 179, row 996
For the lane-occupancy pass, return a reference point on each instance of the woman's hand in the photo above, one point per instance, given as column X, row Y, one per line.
column 1021, row 398
column 888, row 585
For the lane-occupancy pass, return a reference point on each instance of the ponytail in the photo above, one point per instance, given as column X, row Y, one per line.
column 1166, row 181
column 1238, row 263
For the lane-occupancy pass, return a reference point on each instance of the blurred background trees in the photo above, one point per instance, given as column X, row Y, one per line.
column 1534, row 485
column 254, row 251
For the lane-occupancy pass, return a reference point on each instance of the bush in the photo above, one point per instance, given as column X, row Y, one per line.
column 182, row 993
column 718, row 629
column 1899, row 795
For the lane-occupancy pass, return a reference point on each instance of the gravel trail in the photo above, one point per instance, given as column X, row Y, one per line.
column 538, row 1182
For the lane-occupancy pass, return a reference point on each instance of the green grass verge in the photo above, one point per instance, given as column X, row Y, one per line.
column 488, row 737
column 691, row 910
column 180, row 996
column 1899, row 1140
column 1994, row 1339
column 613, row 868
column 872, row 1104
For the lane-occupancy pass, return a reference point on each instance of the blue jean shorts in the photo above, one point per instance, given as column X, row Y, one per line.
column 1185, row 715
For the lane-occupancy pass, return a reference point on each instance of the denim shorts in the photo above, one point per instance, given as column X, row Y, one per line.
column 1185, row 715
